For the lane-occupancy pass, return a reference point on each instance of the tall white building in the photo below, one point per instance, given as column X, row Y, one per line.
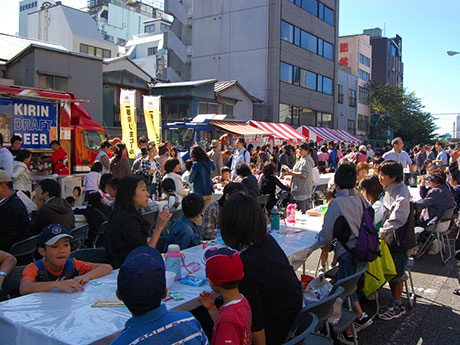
column 457, row 127
column 73, row 29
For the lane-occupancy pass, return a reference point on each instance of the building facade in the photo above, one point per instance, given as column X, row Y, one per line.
column 73, row 29
column 355, row 52
column 282, row 52
column 347, row 88
column 26, row 7
column 387, row 65
column 119, row 21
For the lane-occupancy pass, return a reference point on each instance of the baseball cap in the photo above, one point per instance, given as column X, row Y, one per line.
column 223, row 265
column 51, row 234
column 141, row 280
column 4, row 176
column 362, row 148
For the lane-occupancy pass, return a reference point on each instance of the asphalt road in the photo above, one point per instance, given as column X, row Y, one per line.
column 435, row 318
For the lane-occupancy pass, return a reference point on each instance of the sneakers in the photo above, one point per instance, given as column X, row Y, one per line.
column 363, row 322
column 345, row 338
column 392, row 312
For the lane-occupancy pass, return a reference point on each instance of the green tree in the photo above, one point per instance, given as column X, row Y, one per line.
column 403, row 112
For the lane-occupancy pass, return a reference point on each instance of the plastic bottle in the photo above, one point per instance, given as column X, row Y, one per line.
column 290, row 211
column 219, row 240
column 173, row 260
column 275, row 219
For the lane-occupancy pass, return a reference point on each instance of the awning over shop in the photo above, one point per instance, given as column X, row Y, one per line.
column 240, row 128
column 281, row 131
column 319, row 134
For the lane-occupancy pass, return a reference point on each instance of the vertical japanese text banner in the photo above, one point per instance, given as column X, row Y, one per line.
column 152, row 113
column 128, row 120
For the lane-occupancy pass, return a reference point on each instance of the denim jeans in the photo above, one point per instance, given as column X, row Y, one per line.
column 348, row 267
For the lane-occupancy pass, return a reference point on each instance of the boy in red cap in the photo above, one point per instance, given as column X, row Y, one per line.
column 232, row 322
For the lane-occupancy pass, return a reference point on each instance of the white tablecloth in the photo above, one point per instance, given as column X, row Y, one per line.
column 51, row 318
column 324, row 178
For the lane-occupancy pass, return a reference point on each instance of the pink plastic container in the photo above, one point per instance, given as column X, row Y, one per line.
column 290, row 213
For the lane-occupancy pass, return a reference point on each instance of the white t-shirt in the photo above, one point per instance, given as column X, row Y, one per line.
column 91, row 181
column 180, row 190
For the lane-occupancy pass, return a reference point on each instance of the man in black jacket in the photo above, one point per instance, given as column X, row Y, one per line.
column 15, row 223
column 52, row 208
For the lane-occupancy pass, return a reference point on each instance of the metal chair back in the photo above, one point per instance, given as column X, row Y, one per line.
column 304, row 324
column 94, row 255
column 79, row 235
column 24, row 250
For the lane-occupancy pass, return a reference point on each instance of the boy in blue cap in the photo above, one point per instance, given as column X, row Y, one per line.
column 142, row 286
column 56, row 270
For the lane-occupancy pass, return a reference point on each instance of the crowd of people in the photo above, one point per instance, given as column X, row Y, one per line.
column 261, row 292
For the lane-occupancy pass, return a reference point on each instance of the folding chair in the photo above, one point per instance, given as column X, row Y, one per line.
column 349, row 285
column 262, row 200
column 94, row 255
column 410, row 294
column 99, row 239
column 304, row 324
column 439, row 231
column 324, row 307
column 24, row 250
column 79, row 236
column 10, row 287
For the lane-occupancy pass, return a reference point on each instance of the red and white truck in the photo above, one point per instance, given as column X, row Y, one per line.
column 40, row 116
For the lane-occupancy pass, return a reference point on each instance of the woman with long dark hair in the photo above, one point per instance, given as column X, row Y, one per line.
column 127, row 229
column 269, row 283
column 212, row 212
column 119, row 165
column 200, row 176
column 268, row 184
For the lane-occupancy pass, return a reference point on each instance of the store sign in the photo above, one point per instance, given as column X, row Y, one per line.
column 28, row 6
column 34, row 122
column 128, row 120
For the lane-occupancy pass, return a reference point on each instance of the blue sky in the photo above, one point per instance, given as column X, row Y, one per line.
column 428, row 29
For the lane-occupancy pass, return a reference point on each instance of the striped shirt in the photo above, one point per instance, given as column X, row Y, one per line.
column 160, row 326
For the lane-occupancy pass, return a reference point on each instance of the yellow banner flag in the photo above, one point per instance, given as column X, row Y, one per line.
column 128, row 120
column 152, row 114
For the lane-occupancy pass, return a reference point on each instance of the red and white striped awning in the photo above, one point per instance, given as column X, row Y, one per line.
column 239, row 128
column 281, row 131
column 319, row 134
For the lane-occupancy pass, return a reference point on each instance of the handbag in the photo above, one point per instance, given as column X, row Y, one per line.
column 379, row 271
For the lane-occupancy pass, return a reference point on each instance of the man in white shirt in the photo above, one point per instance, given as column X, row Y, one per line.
column 241, row 155
column 142, row 142
column 6, row 158
column 369, row 152
column 398, row 154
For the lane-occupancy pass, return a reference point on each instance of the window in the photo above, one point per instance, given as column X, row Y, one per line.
column 287, row 32
column 285, row 113
column 393, row 50
column 296, row 76
column 92, row 139
column 319, row 85
column 328, row 15
column 228, row 109
column 151, row 51
column 363, row 75
column 323, row 119
column 164, row 27
column 363, row 123
column 308, row 42
column 310, row 6
column 327, row 85
column 297, row 35
column 310, row 80
column 95, row 51
column 316, row 8
column 351, row 126
column 352, row 98
column 363, row 95
column 328, row 50
column 340, row 93
column 286, row 72
column 149, row 28
column 364, row 60
column 53, row 82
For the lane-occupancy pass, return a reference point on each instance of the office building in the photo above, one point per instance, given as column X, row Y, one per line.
column 26, row 7
column 347, row 86
column 282, row 52
column 387, row 65
column 355, row 52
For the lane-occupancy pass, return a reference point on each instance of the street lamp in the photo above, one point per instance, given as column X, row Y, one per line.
column 452, row 53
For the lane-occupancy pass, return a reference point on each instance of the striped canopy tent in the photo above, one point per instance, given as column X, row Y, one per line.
column 282, row 131
column 242, row 129
column 319, row 134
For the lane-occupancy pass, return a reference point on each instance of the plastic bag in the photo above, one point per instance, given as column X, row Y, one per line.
column 379, row 271
column 317, row 289
column 337, row 312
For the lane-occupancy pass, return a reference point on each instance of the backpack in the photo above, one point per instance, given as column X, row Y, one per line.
column 368, row 246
